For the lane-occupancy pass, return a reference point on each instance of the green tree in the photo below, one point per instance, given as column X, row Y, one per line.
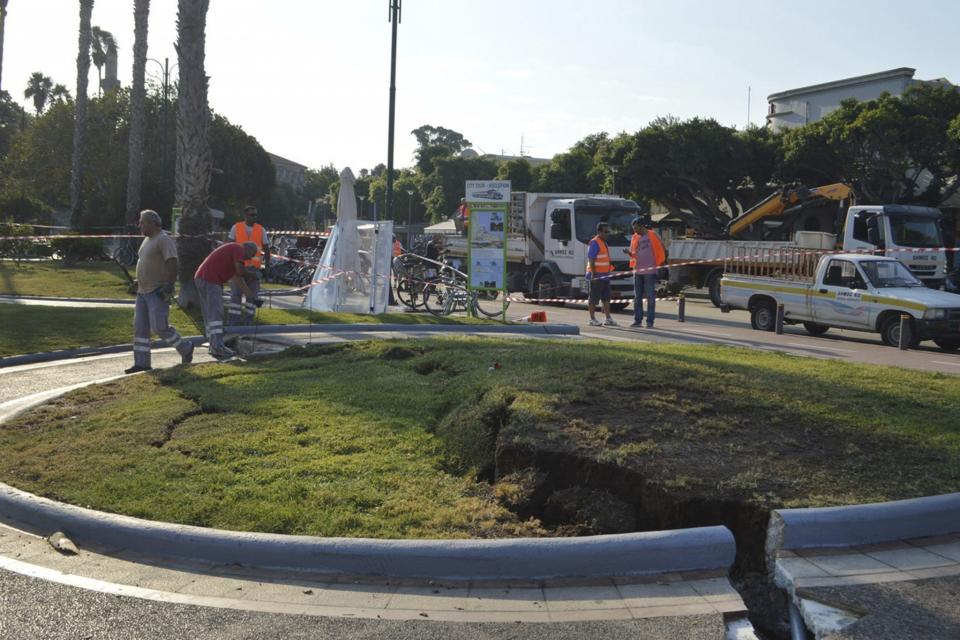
column 890, row 149
column 80, row 114
column 702, row 171
column 442, row 189
column 518, row 172
column 569, row 172
column 436, row 142
column 245, row 175
column 38, row 88
column 141, row 18
column 194, row 161
column 60, row 93
column 13, row 119
column 104, row 45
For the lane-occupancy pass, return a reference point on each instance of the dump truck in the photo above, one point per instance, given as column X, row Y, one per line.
column 847, row 290
column 547, row 238
column 815, row 219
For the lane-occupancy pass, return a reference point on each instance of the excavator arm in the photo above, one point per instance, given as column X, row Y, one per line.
column 777, row 203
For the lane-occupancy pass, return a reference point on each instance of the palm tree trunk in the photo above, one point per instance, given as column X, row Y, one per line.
column 3, row 22
column 194, row 160
column 80, row 117
column 141, row 14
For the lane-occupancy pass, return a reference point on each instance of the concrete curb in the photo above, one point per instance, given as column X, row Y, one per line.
column 635, row 554
column 862, row 524
column 128, row 301
column 538, row 329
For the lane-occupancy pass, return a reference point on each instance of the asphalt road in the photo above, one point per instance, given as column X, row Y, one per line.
column 31, row 609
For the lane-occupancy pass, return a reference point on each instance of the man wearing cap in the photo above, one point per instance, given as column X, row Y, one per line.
column 646, row 254
column 599, row 267
column 249, row 230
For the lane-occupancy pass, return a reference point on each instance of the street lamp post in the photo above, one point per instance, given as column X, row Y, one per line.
column 363, row 199
column 165, row 117
column 409, row 216
column 394, row 18
column 613, row 171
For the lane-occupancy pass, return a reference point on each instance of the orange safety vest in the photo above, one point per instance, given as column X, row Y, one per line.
column 464, row 212
column 240, row 231
column 659, row 255
column 602, row 261
column 397, row 249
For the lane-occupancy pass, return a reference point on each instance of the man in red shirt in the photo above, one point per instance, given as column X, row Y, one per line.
column 224, row 264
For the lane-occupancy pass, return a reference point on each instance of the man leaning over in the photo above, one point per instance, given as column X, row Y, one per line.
column 224, row 264
column 249, row 230
column 156, row 273
column 599, row 267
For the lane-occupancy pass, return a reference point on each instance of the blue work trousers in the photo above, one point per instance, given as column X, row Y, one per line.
column 644, row 286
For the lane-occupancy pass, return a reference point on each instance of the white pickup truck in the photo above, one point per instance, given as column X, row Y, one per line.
column 848, row 291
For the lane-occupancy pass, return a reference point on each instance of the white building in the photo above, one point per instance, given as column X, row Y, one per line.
column 797, row 107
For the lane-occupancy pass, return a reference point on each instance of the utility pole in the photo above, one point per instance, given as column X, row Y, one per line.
column 394, row 19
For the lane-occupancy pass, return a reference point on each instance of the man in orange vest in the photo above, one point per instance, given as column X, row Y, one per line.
column 646, row 254
column 463, row 215
column 599, row 266
column 248, row 231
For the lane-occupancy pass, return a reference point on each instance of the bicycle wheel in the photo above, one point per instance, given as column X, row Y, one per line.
column 408, row 293
column 490, row 304
column 439, row 298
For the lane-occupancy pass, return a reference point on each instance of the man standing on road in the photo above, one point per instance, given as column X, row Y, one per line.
column 156, row 273
column 249, row 231
column 599, row 267
column 646, row 254
column 225, row 264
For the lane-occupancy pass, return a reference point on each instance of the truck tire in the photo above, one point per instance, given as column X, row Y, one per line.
column 763, row 315
column 947, row 344
column 546, row 287
column 815, row 329
column 890, row 332
column 619, row 306
column 713, row 286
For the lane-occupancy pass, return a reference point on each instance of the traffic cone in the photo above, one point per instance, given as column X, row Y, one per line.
column 538, row 316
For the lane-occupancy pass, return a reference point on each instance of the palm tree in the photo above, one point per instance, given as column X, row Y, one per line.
column 194, row 160
column 60, row 93
column 3, row 21
column 80, row 113
column 38, row 88
column 141, row 14
column 104, row 44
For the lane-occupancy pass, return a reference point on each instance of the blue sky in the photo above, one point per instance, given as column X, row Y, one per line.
column 310, row 78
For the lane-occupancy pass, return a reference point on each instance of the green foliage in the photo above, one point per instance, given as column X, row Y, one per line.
column 15, row 249
column 443, row 188
column 519, row 172
column 244, row 172
column 13, row 119
column 38, row 88
column 568, row 172
column 78, row 248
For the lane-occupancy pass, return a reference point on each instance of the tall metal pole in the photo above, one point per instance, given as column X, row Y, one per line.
column 394, row 18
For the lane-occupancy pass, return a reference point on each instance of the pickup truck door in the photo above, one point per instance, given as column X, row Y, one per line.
column 838, row 298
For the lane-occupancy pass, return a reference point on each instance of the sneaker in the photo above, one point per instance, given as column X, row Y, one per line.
column 610, row 322
column 222, row 354
column 137, row 369
column 187, row 356
column 595, row 323
column 636, row 325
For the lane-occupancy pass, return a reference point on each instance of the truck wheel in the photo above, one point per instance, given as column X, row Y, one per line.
column 815, row 329
column 947, row 344
column 890, row 332
column 545, row 287
column 618, row 306
column 763, row 316
column 713, row 287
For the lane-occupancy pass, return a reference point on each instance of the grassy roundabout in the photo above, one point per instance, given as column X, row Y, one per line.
column 422, row 439
column 31, row 329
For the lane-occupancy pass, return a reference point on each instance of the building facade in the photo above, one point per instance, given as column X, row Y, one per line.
column 797, row 107
column 289, row 172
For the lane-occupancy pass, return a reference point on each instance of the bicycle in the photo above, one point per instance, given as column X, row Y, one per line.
column 127, row 251
column 449, row 294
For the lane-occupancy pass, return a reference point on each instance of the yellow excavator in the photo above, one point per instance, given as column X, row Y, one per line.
column 788, row 202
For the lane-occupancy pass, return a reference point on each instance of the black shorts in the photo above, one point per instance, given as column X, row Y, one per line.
column 599, row 290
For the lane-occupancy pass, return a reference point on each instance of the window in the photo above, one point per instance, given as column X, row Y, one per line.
column 843, row 273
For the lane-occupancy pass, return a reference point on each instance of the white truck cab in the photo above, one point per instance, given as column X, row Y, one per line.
column 908, row 233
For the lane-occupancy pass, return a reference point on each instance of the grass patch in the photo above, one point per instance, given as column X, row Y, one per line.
column 53, row 278
column 389, row 438
column 32, row 329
